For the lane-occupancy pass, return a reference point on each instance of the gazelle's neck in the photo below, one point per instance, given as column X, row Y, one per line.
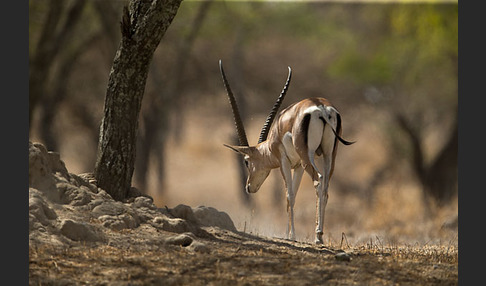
column 268, row 158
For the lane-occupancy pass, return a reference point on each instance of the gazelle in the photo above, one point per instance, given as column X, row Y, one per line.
column 304, row 137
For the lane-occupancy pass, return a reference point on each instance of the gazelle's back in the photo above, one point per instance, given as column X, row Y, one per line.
column 291, row 118
column 301, row 127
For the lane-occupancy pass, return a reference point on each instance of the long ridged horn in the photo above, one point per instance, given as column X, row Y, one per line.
column 240, row 129
column 273, row 112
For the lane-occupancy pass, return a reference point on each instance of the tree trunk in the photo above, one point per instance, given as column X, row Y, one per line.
column 441, row 181
column 438, row 179
column 143, row 25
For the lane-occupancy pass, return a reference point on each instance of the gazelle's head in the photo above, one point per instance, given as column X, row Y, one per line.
column 254, row 155
column 255, row 164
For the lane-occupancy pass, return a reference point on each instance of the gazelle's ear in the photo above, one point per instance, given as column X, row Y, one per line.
column 245, row 150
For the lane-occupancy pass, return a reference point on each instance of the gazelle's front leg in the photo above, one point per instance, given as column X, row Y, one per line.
column 291, row 186
column 296, row 178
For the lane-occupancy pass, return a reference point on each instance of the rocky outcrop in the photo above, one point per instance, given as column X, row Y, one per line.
column 66, row 208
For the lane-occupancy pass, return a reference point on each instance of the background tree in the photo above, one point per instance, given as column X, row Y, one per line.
column 56, row 32
column 165, row 102
column 409, row 70
column 143, row 25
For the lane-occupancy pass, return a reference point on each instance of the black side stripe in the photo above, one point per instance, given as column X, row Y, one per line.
column 305, row 127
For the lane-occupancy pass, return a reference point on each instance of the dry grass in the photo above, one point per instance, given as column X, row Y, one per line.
column 242, row 259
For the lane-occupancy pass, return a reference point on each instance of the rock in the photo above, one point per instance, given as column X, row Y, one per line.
column 45, row 170
column 40, row 171
column 35, row 224
column 159, row 220
column 145, row 214
column 200, row 247
column 143, row 201
column 208, row 216
column 342, row 256
column 88, row 177
column 102, row 194
column 112, row 208
column 176, row 225
column 184, row 212
column 84, row 180
column 94, row 203
column 115, row 215
column 56, row 164
column 119, row 222
column 39, row 209
column 72, row 195
column 78, row 231
column 183, row 239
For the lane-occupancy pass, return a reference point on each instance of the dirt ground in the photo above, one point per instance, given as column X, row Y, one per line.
column 241, row 259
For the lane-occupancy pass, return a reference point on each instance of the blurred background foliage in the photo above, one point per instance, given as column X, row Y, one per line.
column 391, row 70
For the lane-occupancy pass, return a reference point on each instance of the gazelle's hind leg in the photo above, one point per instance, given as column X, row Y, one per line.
column 324, row 165
column 316, row 158
column 321, row 200
column 317, row 163
column 316, row 169
column 321, row 166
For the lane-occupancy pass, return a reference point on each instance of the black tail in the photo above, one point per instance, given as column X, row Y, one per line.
column 337, row 135
column 341, row 139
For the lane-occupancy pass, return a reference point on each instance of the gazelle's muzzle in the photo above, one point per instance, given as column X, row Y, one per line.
column 250, row 190
column 253, row 187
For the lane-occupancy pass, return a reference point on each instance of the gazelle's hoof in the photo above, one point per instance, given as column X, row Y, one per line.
column 318, row 239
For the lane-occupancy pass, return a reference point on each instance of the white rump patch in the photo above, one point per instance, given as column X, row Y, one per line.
column 329, row 113
column 318, row 134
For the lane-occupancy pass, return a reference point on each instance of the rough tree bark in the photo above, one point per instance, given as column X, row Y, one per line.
column 143, row 25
